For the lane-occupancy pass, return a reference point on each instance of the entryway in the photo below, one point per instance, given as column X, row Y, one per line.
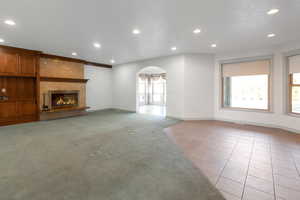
column 151, row 91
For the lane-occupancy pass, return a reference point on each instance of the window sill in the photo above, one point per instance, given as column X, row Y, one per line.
column 247, row 110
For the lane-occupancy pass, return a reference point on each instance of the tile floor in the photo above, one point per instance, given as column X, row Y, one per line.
column 244, row 162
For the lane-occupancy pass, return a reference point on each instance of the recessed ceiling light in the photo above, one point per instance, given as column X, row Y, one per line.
column 97, row 45
column 112, row 61
column 197, row 31
column 214, row 45
column 273, row 11
column 2, row 40
column 136, row 31
column 10, row 22
column 174, row 48
column 74, row 54
column 271, row 35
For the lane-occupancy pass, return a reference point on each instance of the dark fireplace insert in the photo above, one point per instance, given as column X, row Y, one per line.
column 60, row 99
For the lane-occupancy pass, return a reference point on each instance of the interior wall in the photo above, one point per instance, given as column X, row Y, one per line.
column 198, row 86
column 125, row 85
column 188, row 78
column 278, row 118
column 98, row 88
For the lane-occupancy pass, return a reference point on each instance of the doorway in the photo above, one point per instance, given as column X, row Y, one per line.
column 151, row 91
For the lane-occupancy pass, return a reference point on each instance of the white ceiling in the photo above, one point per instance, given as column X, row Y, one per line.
column 63, row 26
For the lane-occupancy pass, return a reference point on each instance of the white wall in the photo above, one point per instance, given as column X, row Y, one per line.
column 188, row 76
column 124, row 83
column 98, row 88
column 278, row 117
column 198, row 86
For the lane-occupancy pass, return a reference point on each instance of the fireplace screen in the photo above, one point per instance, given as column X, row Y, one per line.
column 63, row 99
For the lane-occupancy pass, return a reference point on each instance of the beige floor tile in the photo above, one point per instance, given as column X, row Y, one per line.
column 286, row 194
column 229, row 196
column 230, row 186
column 292, row 183
column 260, row 184
column 261, row 173
column 237, row 150
column 253, row 194
column 235, row 174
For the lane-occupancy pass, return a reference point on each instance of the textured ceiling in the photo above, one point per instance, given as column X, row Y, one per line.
column 63, row 26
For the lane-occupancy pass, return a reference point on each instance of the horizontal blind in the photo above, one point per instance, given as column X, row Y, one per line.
column 294, row 64
column 246, row 68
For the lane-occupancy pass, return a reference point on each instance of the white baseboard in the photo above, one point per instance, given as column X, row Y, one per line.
column 90, row 110
column 259, row 124
column 197, row 118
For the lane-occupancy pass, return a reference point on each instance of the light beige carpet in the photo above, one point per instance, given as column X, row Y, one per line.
column 107, row 155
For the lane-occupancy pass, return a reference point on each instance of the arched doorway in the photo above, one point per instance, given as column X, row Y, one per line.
column 151, row 91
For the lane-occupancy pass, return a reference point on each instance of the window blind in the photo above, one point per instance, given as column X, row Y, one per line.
column 294, row 64
column 246, row 68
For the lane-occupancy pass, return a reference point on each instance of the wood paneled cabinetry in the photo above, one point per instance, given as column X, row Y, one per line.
column 19, row 83
column 18, row 63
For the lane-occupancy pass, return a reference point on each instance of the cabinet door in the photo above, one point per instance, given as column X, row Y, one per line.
column 8, row 88
column 27, row 64
column 8, row 111
column 26, row 89
column 26, row 110
column 8, row 62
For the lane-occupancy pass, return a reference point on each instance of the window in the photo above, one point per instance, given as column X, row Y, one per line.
column 152, row 89
column 246, row 85
column 294, row 84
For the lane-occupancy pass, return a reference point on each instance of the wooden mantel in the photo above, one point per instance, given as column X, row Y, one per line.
column 56, row 79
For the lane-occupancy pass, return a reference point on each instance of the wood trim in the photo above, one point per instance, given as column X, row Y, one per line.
column 290, row 98
column 50, row 56
column 6, row 123
column 43, row 55
column 268, row 110
column 19, row 50
column 55, row 79
column 66, row 109
column 37, row 88
column 17, row 75
column 97, row 64
column 247, row 109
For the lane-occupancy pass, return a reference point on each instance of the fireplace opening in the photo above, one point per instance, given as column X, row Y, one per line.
column 63, row 99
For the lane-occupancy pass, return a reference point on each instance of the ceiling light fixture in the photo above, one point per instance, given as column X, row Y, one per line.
column 271, row 35
column 97, row 45
column 197, row 31
column 136, row 31
column 74, row 54
column 112, row 61
column 2, row 40
column 273, row 11
column 213, row 45
column 10, row 22
column 174, row 48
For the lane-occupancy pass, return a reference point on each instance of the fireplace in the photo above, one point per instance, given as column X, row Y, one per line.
column 60, row 99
